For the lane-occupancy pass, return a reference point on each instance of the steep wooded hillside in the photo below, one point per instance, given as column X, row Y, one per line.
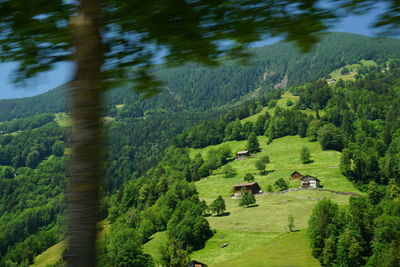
column 194, row 87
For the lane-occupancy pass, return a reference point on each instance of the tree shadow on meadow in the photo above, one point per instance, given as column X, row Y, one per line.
column 266, row 172
column 223, row 214
column 252, row 206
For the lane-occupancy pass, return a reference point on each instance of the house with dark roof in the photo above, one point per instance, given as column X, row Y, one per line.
column 308, row 181
column 296, row 176
column 253, row 187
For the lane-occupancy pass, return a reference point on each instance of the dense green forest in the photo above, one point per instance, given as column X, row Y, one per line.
column 149, row 186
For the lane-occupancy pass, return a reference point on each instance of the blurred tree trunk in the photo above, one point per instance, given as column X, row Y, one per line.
column 87, row 140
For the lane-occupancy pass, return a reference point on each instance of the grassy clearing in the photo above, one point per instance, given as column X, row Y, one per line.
column 53, row 254
column 353, row 71
column 239, row 242
column 280, row 103
column 153, row 246
column 119, row 106
column 271, row 212
column 63, row 119
column 290, row 249
column 284, row 154
column 285, row 98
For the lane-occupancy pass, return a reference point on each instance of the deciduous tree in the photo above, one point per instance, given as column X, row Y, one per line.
column 305, row 155
column 249, row 177
column 247, row 199
column 280, row 184
column 218, row 205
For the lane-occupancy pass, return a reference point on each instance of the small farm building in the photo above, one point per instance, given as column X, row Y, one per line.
column 254, row 188
column 296, row 176
column 242, row 154
column 309, row 181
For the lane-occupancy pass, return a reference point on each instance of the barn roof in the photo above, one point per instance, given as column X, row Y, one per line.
column 246, row 184
column 295, row 173
column 252, row 186
column 243, row 152
column 309, row 177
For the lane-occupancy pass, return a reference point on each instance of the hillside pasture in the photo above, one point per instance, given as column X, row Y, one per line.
column 262, row 228
column 270, row 214
column 284, row 154
column 353, row 68
column 239, row 243
column 54, row 253
column 289, row 249
column 280, row 103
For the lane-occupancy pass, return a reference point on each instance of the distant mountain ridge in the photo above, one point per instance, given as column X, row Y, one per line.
column 197, row 88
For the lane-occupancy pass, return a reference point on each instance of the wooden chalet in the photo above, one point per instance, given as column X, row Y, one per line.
column 242, row 154
column 253, row 187
column 309, row 181
column 195, row 263
column 296, row 176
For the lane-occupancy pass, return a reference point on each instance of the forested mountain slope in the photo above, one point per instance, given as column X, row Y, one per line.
column 194, row 87
column 149, row 190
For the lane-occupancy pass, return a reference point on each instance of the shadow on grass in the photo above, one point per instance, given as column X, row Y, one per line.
column 267, row 172
column 223, row 214
column 252, row 206
column 309, row 162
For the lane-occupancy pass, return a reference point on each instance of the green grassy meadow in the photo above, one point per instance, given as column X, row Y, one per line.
column 63, row 119
column 353, row 71
column 284, row 154
column 53, row 254
column 153, row 246
column 50, row 256
column 239, row 243
column 280, row 103
column 289, row 249
column 257, row 236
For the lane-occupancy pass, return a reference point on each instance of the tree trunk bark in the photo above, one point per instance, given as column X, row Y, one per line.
column 86, row 171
